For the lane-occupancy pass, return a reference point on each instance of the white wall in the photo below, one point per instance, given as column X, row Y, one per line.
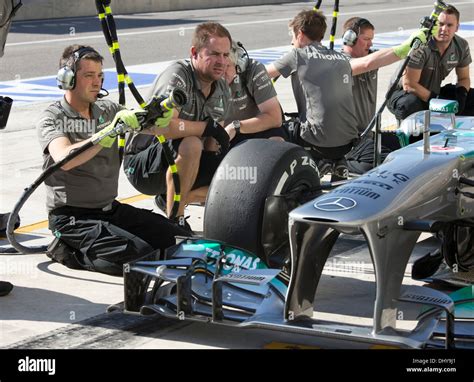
column 48, row 9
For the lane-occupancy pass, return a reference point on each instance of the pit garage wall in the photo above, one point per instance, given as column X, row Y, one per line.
column 51, row 9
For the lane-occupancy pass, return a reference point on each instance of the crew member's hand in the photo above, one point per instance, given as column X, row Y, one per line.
column 403, row 49
column 128, row 117
column 435, row 29
column 165, row 119
column 213, row 129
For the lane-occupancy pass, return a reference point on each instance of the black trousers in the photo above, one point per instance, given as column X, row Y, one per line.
column 103, row 241
column 274, row 132
column 402, row 104
column 361, row 158
column 146, row 170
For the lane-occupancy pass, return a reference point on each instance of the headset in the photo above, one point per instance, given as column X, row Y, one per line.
column 66, row 78
column 242, row 57
column 350, row 36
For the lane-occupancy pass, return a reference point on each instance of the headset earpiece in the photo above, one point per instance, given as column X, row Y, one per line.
column 350, row 36
column 66, row 78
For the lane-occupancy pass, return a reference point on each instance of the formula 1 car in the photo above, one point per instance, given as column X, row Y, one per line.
column 267, row 241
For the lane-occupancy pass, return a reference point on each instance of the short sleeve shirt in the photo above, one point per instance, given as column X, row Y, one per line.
column 364, row 90
column 248, row 90
column 181, row 75
column 322, row 85
column 434, row 67
column 93, row 184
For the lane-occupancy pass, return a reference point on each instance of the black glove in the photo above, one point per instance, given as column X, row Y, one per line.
column 461, row 96
column 213, row 129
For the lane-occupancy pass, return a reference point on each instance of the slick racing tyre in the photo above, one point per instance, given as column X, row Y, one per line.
column 254, row 188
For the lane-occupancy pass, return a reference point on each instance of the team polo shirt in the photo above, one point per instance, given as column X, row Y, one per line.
column 248, row 90
column 364, row 90
column 181, row 75
column 322, row 85
column 93, row 184
column 434, row 67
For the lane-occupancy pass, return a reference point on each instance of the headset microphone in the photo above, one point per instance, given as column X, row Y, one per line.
column 102, row 95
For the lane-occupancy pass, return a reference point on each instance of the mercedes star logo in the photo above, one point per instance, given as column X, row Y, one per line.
column 335, row 204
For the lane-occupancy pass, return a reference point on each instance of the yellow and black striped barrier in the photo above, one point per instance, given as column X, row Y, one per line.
column 109, row 29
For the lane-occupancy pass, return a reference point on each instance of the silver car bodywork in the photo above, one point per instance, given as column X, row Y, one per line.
column 416, row 189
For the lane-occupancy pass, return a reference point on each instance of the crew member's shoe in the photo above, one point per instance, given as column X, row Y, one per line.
column 340, row 171
column 183, row 223
column 324, row 167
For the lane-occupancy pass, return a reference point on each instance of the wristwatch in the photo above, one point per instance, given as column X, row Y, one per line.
column 236, row 124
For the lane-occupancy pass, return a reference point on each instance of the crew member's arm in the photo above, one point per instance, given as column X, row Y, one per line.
column 269, row 117
column 60, row 147
column 464, row 78
column 382, row 57
column 272, row 71
column 411, row 84
column 386, row 56
column 179, row 128
column 172, row 127
column 258, row 86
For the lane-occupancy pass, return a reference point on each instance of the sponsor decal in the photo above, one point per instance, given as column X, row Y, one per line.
column 367, row 192
column 264, row 86
column 236, row 260
column 177, row 80
column 397, row 177
column 385, row 186
column 452, row 60
column 329, row 57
